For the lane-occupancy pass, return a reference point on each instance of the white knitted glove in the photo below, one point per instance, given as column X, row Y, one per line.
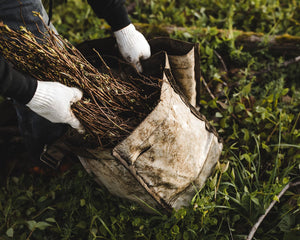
column 132, row 45
column 53, row 100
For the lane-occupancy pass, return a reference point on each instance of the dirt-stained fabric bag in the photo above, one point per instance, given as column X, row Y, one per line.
column 169, row 156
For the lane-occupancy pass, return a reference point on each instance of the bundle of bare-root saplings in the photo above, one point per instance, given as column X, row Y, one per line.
column 111, row 107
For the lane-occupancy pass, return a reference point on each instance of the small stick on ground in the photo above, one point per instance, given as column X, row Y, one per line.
column 223, row 105
column 256, row 225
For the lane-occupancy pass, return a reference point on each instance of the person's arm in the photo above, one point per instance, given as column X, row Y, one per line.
column 132, row 44
column 51, row 100
column 113, row 11
column 14, row 84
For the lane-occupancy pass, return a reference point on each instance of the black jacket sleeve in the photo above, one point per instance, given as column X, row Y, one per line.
column 14, row 84
column 113, row 11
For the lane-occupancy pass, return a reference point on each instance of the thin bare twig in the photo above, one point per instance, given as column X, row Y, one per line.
column 223, row 105
column 229, row 229
column 207, row 88
column 256, row 225
column 223, row 64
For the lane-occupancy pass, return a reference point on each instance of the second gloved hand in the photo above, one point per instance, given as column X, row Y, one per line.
column 132, row 45
column 53, row 100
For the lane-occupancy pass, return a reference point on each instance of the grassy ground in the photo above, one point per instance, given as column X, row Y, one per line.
column 254, row 104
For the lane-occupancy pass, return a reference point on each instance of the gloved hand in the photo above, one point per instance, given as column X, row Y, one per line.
column 132, row 45
column 53, row 100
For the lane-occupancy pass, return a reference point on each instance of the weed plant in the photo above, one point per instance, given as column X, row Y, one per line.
column 254, row 104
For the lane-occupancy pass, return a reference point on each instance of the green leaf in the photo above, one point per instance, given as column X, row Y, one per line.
column 286, row 223
column 246, row 157
column 40, row 225
column 218, row 115
column 276, row 198
column 224, row 167
column 246, row 90
column 187, row 35
column 175, row 230
column 42, row 199
column 50, row 220
column 239, row 107
column 82, row 202
column 186, row 235
column 81, row 225
column 232, row 174
column 255, row 200
column 10, row 232
column 285, row 91
column 31, row 224
column 246, row 134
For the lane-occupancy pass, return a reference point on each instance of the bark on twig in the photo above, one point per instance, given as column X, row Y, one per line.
column 223, row 64
column 223, row 105
column 256, row 225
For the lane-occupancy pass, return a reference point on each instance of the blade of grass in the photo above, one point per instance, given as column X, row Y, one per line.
column 271, row 180
column 259, row 160
column 285, row 145
column 147, row 205
column 104, row 225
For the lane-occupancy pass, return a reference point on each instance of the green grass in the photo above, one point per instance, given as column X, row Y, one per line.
column 258, row 121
